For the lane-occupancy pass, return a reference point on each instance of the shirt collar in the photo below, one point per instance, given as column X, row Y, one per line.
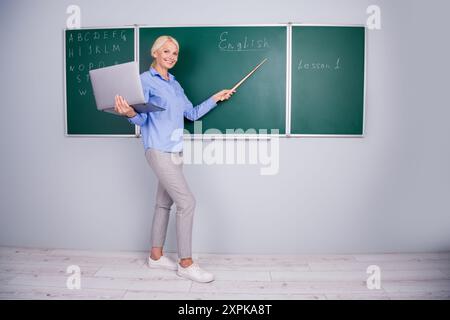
column 153, row 72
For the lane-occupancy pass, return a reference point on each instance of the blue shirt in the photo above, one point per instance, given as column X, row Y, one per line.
column 163, row 130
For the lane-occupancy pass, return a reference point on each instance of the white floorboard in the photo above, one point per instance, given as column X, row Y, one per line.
column 28, row 273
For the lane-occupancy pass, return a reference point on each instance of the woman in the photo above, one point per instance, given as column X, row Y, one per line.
column 163, row 151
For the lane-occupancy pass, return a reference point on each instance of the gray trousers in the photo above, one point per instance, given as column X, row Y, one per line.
column 172, row 188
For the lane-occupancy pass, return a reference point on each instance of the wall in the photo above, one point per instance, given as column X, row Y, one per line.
column 387, row 192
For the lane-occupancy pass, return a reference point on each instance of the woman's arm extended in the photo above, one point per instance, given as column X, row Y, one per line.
column 194, row 113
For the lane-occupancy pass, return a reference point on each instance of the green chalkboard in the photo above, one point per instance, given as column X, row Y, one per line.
column 215, row 58
column 87, row 49
column 328, row 65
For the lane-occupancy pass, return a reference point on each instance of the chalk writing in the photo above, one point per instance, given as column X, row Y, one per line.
column 87, row 50
column 319, row 66
column 242, row 44
column 93, row 50
column 97, row 35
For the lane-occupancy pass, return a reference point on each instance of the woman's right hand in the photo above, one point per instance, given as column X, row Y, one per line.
column 123, row 108
column 223, row 95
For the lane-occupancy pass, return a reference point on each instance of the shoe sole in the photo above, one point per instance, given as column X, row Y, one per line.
column 196, row 280
column 162, row 267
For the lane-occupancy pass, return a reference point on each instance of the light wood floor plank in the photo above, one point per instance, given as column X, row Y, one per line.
column 273, row 287
column 99, row 254
column 239, row 259
column 43, row 268
column 47, row 293
column 17, row 251
column 446, row 272
column 372, row 295
column 146, row 273
column 214, row 267
column 27, row 273
column 438, row 295
column 141, row 295
column 416, row 286
column 138, row 272
column 178, row 285
column 402, row 257
column 356, row 275
column 384, row 265
column 76, row 260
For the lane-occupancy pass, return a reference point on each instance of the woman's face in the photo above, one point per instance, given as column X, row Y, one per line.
column 167, row 55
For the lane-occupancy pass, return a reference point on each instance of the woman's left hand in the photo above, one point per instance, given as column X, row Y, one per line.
column 223, row 95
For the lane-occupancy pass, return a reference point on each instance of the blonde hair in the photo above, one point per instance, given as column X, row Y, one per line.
column 159, row 42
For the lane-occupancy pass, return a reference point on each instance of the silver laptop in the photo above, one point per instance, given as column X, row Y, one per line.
column 120, row 79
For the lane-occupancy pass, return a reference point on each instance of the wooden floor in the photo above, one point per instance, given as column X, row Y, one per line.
column 42, row 274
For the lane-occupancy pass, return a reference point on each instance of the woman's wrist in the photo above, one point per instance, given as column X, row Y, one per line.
column 131, row 115
column 215, row 98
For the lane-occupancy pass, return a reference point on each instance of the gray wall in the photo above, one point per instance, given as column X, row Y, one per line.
column 387, row 192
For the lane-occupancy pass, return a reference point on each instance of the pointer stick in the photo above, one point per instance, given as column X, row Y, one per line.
column 246, row 77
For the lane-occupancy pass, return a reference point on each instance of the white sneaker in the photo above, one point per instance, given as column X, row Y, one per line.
column 162, row 263
column 195, row 273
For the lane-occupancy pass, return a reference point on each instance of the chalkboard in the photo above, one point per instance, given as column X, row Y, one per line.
column 87, row 49
column 327, row 83
column 328, row 80
column 215, row 58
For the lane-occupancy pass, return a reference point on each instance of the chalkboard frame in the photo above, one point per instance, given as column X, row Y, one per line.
column 288, row 128
column 224, row 136
column 288, row 99
column 66, row 127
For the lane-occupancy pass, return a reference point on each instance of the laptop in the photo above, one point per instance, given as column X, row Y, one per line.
column 120, row 79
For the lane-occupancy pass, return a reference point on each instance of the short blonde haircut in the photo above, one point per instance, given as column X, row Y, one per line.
column 159, row 42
